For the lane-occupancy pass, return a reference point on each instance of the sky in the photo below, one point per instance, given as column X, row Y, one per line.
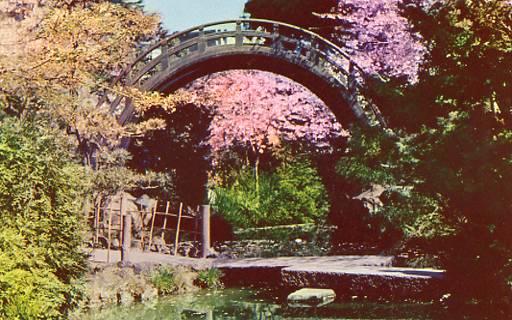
column 178, row 15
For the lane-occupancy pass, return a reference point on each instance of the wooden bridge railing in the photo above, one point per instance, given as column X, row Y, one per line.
column 290, row 42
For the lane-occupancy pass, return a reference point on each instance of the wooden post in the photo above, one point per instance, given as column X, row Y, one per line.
column 201, row 46
column 167, row 206
column 141, row 215
column 165, row 219
column 152, row 225
column 165, row 57
column 205, row 232
column 239, row 37
column 352, row 87
column 121, row 209
column 97, row 210
column 196, row 223
column 127, row 238
column 124, row 248
column 87, row 213
column 276, row 39
column 109, row 233
column 178, row 229
column 313, row 48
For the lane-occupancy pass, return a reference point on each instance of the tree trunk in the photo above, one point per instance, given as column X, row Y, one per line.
column 257, row 175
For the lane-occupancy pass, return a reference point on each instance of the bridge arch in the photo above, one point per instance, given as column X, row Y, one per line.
column 296, row 53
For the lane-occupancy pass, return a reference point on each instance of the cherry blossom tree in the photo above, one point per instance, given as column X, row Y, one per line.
column 379, row 37
column 258, row 111
column 375, row 32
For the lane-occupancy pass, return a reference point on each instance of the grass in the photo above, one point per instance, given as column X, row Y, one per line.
column 164, row 280
column 210, row 279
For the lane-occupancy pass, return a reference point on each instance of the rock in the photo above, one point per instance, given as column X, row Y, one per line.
column 144, row 267
column 184, row 280
column 376, row 283
column 310, row 297
column 212, row 253
column 108, row 296
column 371, row 197
column 124, row 264
column 126, row 298
column 115, row 243
column 149, row 294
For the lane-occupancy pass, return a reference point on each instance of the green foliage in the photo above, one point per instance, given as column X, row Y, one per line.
column 163, row 279
column 447, row 164
column 288, row 240
column 293, row 194
column 366, row 162
column 184, row 133
column 112, row 175
column 287, row 233
column 41, row 192
column 28, row 287
column 377, row 158
column 210, row 279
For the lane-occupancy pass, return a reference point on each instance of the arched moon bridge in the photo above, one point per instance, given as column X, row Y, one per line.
column 301, row 55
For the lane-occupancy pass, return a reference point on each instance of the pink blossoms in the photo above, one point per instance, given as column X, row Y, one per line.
column 378, row 37
column 259, row 110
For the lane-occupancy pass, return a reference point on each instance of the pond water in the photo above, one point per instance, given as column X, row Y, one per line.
column 261, row 304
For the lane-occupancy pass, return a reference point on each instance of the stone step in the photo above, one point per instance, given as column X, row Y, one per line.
column 283, row 262
column 375, row 283
column 350, row 276
column 311, row 297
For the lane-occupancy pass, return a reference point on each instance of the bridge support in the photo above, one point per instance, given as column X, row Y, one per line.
column 205, row 230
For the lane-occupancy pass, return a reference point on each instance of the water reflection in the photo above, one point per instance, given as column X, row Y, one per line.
column 246, row 304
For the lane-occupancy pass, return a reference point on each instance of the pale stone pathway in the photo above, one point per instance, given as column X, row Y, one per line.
column 348, row 265
column 139, row 257
column 368, row 276
column 370, row 265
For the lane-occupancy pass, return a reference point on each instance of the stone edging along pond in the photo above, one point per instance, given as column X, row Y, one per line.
column 365, row 277
column 370, row 277
column 108, row 284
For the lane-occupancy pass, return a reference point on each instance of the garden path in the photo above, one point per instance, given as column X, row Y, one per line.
column 367, row 265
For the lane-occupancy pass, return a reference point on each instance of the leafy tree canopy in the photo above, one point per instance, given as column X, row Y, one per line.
column 448, row 164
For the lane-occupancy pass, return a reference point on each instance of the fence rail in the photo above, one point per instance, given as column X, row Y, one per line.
column 116, row 224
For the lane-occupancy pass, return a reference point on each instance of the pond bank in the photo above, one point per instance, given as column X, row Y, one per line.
column 369, row 277
column 110, row 284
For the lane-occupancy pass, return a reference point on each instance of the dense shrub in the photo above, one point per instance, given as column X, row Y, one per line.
column 40, row 206
column 292, row 194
